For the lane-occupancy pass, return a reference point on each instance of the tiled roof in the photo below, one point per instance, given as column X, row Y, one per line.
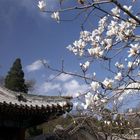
column 24, row 110
column 23, row 99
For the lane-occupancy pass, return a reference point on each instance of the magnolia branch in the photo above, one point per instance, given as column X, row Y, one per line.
column 126, row 11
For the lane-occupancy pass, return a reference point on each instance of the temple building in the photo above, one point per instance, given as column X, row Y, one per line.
column 19, row 111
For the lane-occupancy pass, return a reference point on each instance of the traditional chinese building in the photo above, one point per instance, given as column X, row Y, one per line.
column 19, row 111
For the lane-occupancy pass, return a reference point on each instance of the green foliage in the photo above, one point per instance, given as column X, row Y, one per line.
column 15, row 78
column 34, row 131
column 2, row 80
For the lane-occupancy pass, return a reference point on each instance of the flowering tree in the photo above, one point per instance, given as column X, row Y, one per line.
column 114, row 44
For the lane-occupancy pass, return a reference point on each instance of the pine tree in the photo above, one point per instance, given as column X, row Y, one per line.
column 15, row 78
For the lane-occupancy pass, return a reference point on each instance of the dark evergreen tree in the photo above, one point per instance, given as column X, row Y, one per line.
column 15, row 78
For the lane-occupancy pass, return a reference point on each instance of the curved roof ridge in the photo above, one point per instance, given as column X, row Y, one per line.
column 10, row 93
column 19, row 98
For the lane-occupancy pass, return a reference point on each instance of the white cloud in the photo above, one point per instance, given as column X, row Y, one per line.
column 68, row 85
column 49, row 87
column 129, row 92
column 37, row 65
column 51, row 77
column 61, row 78
column 73, row 87
column 64, row 77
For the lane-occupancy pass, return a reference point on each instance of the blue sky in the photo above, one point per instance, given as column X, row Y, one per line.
column 31, row 35
column 27, row 33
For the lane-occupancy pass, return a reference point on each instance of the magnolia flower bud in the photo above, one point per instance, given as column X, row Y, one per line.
column 81, row 1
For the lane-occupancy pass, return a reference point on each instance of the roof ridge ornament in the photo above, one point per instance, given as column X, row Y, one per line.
column 20, row 97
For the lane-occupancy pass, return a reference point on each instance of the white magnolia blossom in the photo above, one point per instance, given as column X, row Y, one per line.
column 89, row 98
column 134, row 86
column 79, row 44
column 130, row 110
column 85, row 66
column 133, row 21
column 55, row 15
column 112, row 28
column 133, row 64
column 110, row 38
column 107, row 122
column 102, row 24
column 128, row 8
column 95, row 86
column 84, row 105
column 137, row 62
column 96, row 97
column 108, row 83
column 85, row 35
column 94, row 100
column 130, row 64
column 116, row 11
column 119, row 65
column 122, row 30
column 95, row 38
column 95, row 33
column 118, row 76
column 41, row 5
column 107, row 43
column 77, row 47
column 104, row 100
column 125, row 30
column 136, row 135
column 97, row 52
column 134, row 50
column 72, row 49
